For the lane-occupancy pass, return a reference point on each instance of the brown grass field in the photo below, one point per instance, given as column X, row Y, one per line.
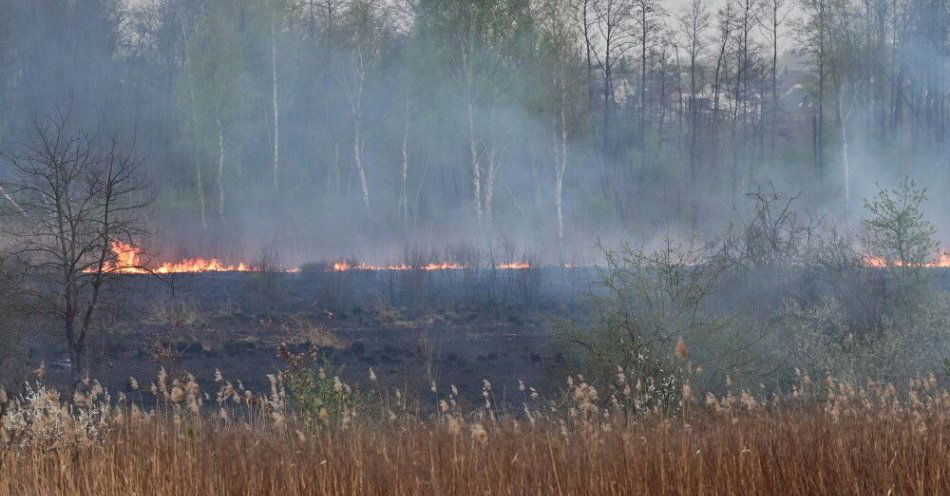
column 837, row 440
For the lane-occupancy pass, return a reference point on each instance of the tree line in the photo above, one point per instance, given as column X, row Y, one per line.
column 325, row 120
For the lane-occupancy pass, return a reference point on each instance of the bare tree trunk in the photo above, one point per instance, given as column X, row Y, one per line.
column 276, row 111
column 476, row 167
column 490, row 182
column 194, row 134
column 819, row 118
column 357, row 107
column 220, row 169
column 845, row 157
column 587, row 46
column 10, row 199
column 358, row 161
column 75, row 347
column 645, row 31
column 404, row 176
column 562, row 159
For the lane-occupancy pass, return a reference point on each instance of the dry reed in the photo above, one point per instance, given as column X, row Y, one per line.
column 842, row 440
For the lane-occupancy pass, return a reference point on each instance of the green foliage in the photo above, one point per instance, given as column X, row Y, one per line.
column 826, row 340
column 897, row 231
column 318, row 396
column 648, row 303
column 876, row 317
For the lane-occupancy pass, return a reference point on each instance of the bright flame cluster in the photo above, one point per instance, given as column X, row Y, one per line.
column 128, row 260
column 942, row 261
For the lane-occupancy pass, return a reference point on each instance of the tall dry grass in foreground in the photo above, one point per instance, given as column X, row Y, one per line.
column 868, row 440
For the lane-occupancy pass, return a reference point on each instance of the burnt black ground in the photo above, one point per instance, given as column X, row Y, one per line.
column 453, row 327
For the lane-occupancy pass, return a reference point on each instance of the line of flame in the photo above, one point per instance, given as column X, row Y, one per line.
column 128, row 260
column 942, row 261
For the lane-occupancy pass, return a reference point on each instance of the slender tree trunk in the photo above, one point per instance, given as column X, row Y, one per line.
column 69, row 321
column 774, row 113
column 276, row 110
column 358, row 161
column 693, row 130
column 643, row 72
column 587, row 47
column 220, row 169
column 608, row 97
column 476, row 167
column 404, row 175
column 194, row 134
column 562, row 159
column 845, row 159
column 357, row 107
column 819, row 117
column 490, row 182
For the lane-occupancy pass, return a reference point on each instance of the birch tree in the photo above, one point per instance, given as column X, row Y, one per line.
column 365, row 46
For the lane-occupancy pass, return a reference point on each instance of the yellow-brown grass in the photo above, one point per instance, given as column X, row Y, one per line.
column 829, row 437
column 790, row 451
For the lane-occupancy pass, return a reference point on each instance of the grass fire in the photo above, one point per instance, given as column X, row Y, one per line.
column 128, row 260
column 513, row 247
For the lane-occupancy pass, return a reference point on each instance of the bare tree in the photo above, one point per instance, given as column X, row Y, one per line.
column 75, row 199
column 724, row 30
column 220, row 176
column 560, row 37
column 466, row 74
column 694, row 21
column 366, row 50
column 199, row 181
column 649, row 24
column 615, row 40
column 275, row 109
column 587, row 19
column 773, row 15
column 813, row 35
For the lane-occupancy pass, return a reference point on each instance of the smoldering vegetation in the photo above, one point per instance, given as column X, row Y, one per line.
column 419, row 246
column 339, row 128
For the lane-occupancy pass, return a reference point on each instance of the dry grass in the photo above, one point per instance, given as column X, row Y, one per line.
column 868, row 440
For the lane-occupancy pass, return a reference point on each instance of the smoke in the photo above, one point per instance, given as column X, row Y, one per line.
column 388, row 87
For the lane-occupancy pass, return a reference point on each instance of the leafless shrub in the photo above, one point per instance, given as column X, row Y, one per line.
column 772, row 234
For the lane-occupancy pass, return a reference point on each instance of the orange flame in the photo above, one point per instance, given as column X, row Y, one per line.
column 515, row 266
column 128, row 260
column 942, row 261
column 443, row 266
column 343, row 266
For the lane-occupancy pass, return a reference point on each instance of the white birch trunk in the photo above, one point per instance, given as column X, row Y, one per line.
column 845, row 159
column 490, row 182
column 10, row 199
column 194, row 136
column 276, row 112
column 467, row 72
column 220, row 169
column 562, row 159
column 476, row 167
column 404, row 176
column 357, row 107
column 358, row 161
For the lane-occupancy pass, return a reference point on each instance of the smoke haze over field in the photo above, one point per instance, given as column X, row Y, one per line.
column 335, row 128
